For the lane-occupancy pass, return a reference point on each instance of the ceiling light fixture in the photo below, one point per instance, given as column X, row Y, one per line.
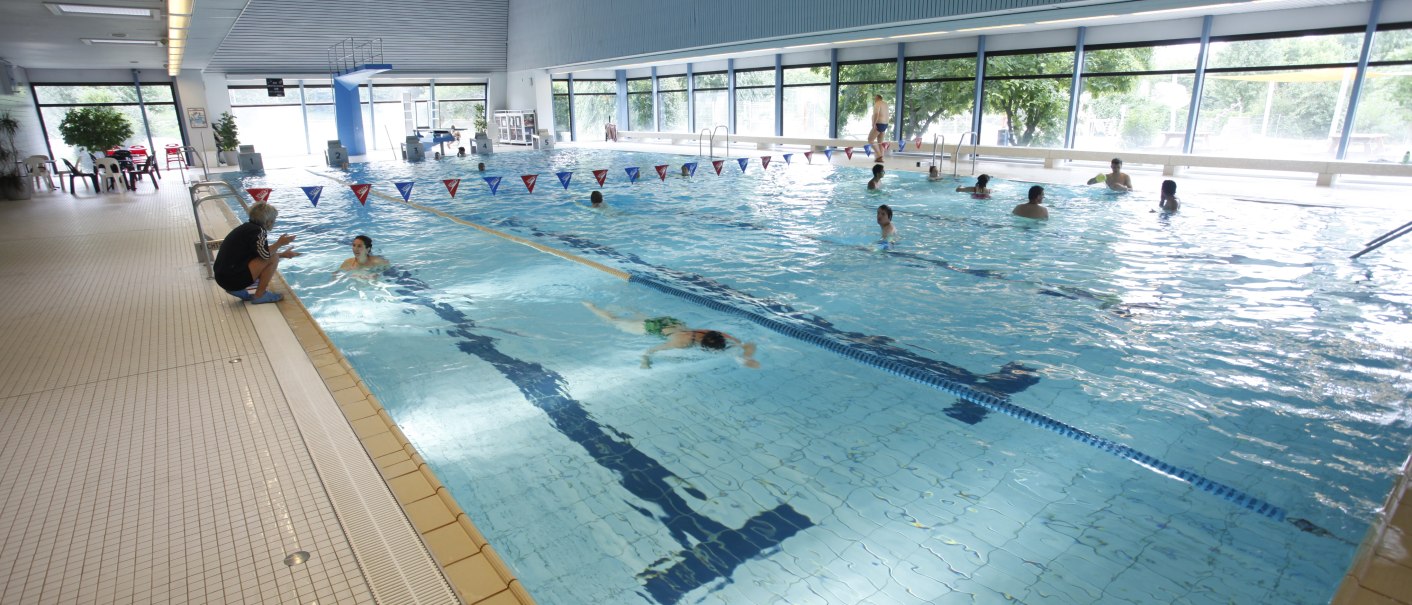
column 806, row 45
column 92, row 41
column 1074, row 19
column 860, row 40
column 917, row 35
column 179, row 7
column 1189, row 8
column 178, row 21
column 92, row 10
column 976, row 29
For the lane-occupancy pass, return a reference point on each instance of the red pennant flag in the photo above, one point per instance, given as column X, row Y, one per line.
column 600, row 175
column 886, row 145
column 452, row 185
column 718, row 164
column 261, row 194
column 917, row 142
column 662, row 172
column 529, row 180
column 764, row 162
column 361, row 190
column 809, row 155
column 849, row 152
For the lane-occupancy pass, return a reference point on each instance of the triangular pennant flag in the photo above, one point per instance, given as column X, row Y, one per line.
column 917, row 143
column 828, row 154
column 361, row 190
column 809, row 156
column 494, row 182
column 600, row 175
column 261, row 194
column 313, row 193
column 868, row 149
column 405, row 189
column 764, row 161
column 564, row 178
column 529, row 180
column 786, row 158
column 632, row 173
column 690, row 168
column 662, row 172
column 718, row 164
column 743, row 162
column 452, row 185
column 849, row 152
column 886, row 146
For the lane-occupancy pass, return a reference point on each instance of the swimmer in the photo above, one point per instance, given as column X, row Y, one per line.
column 876, row 182
column 1169, row 196
column 933, row 174
column 595, row 199
column 889, row 232
column 1033, row 209
column 460, row 151
column 677, row 334
column 481, row 166
column 979, row 191
column 363, row 256
column 1117, row 181
column 685, row 170
column 436, row 155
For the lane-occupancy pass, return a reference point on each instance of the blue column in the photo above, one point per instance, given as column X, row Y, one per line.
column 690, row 99
column 1075, row 90
column 304, row 111
column 1196, row 85
column 730, row 96
column 979, row 105
column 622, row 118
column 656, row 103
column 833, row 93
column 898, row 95
column 573, row 124
column 372, row 115
column 1358, row 79
column 348, row 113
column 779, row 95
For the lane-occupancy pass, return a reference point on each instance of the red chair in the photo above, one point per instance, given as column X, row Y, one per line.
column 139, row 152
column 174, row 155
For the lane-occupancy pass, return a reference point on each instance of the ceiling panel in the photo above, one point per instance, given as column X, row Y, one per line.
column 293, row 36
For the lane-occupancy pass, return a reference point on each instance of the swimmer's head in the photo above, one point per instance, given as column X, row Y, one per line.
column 460, row 151
column 263, row 214
column 933, row 171
column 481, row 166
column 1117, row 163
column 1169, row 188
column 877, row 97
column 982, row 180
column 362, row 246
column 884, row 215
column 685, row 170
column 596, row 198
column 877, row 171
column 713, row 340
column 1036, row 194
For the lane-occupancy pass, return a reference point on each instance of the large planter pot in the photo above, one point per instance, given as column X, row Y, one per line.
column 15, row 188
column 230, row 158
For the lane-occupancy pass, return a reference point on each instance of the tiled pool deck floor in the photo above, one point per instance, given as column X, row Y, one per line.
column 162, row 442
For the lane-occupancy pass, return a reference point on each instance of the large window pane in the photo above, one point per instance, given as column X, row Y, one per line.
column 806, row 111
column 818, row 74
column 459, row 114
column 157, row 93
column 81, row 94
column 868, row 72
column 1382, row 130
column 588, row 87
column 54, row 115
column 1273, row 114
column 562, row 125
column 640, row 85
column 855, row 107
column 323, row 127
column 165, row 129
column 671, row 83
column 755, row 77
column 711, row 110
column 640, row 110
column 755, row 111
column 1026, row 111
column 259, row 96
column 1133, row 113
column 460, row 92
column 318, row 94
column 958, row 68
column 715, row 80
column 591, row 112
column 275, row 131
column 394, row 93
column 1282, row 52
column 934, row 108
column 673, row 109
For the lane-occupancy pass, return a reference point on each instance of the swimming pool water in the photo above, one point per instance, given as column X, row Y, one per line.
column 1233, row 340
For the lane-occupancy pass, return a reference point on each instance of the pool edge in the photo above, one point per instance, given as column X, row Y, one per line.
column 1381, row 571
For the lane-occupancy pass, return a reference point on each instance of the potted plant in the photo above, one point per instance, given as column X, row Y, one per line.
column 13, row 186
column 95, row 129
column 482, row 143
column 227, row 138
column 479, row 122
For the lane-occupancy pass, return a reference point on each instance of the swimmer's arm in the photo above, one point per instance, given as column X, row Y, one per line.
column 966, row 190
column 677, row 340
column 747, row 351
column 348, row 264
column 1092, row 181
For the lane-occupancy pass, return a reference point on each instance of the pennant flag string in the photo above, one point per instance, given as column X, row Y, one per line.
column 405, row 189
column 662, row 172
column 452, row 185
column 361, row 191
column 600, row 175
column 313, row 193
column 494, row 182
column 529, row 180
column 564, row 178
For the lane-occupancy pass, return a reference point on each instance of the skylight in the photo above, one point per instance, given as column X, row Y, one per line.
column 91, row 10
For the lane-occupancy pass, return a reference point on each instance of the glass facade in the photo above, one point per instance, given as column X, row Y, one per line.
column 595, row 106
column 857, row 84
column 671, row 98
column 640, row 104
column 161, row 127
column 755, row 102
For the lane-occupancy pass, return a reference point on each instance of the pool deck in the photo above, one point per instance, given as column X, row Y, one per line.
column 164, row 442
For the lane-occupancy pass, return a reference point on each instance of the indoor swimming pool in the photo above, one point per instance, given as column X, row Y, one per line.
column 1117, row 405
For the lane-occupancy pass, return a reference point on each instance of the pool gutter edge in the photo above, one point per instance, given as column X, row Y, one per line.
column 1380, row 568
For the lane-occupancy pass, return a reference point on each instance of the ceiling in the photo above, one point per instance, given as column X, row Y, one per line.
column 33, row 37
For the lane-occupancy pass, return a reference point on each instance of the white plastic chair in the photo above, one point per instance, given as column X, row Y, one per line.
column 111, row 171
column 38, row 167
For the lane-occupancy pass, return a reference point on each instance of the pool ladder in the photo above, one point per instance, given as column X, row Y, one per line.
column 712, row 148
column 935, row 147
column 956, row 157
column 205, row 191
column 1378, row 241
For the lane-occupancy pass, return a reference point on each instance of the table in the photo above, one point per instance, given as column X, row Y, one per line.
column 1370, row 142
column 1180, row 136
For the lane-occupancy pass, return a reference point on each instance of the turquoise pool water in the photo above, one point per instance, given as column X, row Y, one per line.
column 1259, row 375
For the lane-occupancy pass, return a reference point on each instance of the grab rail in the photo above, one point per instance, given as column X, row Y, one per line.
column 205, row 241
column 934, row 151
column 713, row 140
column 705, row 131
column 1377, row 242
column 956, row 158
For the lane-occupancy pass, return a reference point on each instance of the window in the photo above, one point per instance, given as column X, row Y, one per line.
column 857, row 84
column 671, row 99
column 710, row 101
column 806, row 101
column 563, row 124
column 269, row 123
column 755, row 102
column 458, row 105
column 1136, row 99
column 161, row 127
column 1382, row 130
column 640, row 104
column 595, row 104
column 939, row 95
column 1027, row 98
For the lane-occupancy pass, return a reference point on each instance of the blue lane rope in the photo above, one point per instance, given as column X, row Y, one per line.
column 1000, row 405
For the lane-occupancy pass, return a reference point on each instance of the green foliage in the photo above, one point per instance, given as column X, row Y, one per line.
column 1142, row 123
column 9, row 154
column 95, row 129
column 639, row 111
column 227, row 135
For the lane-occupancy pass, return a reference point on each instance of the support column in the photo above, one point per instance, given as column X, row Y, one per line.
column 1197, row 83
column 779, row 95
column 691, row 99
column 1075, row 90
column 348, row 113
column 622, row 119
column 898, row 95
column 304, row 111
column 1358, row 79
column 656, row 103
column 573, row 123
column 833, row 93
column 730, row 96
column 979, row 105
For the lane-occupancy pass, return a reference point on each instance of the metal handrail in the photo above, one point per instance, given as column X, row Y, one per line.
column 698, row 140
column 1378, row 241
column 713, row 140
column 956, row 158
column 205, row 241
column 934, row 151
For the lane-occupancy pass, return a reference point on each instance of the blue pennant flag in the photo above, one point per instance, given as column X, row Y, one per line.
column 564, row 178
column 632, row 174
column 743, row 162
column 494, row 182
column 868, row 149
column 405, row 189
column 690, row 168
column 828, row 153
column 786, row 158
column 313, row 193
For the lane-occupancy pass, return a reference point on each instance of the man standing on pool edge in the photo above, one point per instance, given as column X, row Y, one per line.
column 881, row 118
